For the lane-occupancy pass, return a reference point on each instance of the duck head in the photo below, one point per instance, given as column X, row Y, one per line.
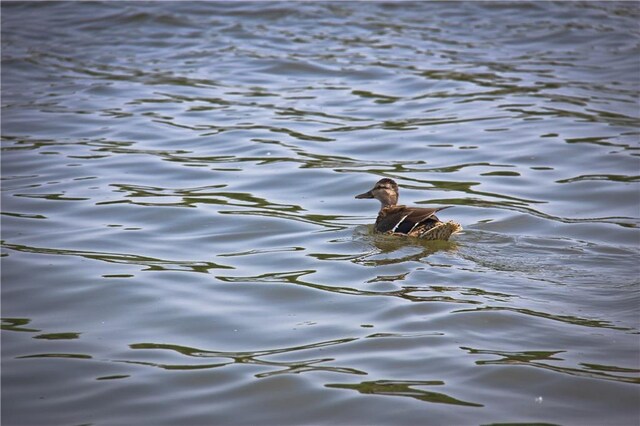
column 385, row 191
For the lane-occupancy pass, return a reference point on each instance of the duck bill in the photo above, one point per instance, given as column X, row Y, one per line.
column 367, row 194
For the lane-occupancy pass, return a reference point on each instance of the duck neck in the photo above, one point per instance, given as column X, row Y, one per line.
column 388, row 200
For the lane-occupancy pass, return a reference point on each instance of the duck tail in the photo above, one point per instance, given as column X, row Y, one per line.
column 441, row 231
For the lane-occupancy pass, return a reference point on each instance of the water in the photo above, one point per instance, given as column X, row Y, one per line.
column 181, row 245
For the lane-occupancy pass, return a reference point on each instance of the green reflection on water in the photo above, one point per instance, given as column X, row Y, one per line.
column 500, row 173
column 600, row 367
column 16, row 324
column 56, row 355
column 536, row 358
column 58, row 336
column 611, row 178
column 404, row 388
column 294, row 277
column 151, row 263
column 114, row 377
column 256, row 251
column 58, row 196
column 192, row 197
column 24, row 215
column 569, row 319
column 379, row 98
column 250, row 357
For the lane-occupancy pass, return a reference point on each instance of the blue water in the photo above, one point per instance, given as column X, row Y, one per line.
column 181, row 244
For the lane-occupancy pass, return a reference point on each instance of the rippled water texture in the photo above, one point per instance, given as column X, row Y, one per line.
column 182, row 246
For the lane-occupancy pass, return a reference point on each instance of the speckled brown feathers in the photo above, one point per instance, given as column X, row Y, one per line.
column 407, row 221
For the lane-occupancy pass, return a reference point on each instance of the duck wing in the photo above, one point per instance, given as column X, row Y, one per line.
column 402, row 219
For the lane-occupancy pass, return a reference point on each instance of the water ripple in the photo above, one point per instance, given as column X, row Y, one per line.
column 143, row 142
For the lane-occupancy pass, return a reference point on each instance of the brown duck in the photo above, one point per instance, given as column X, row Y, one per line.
column 407, row 221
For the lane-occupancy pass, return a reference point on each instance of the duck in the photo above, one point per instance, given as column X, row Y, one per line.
column 418, row 222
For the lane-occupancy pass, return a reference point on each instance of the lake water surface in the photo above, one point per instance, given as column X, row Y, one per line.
column 181, row 245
